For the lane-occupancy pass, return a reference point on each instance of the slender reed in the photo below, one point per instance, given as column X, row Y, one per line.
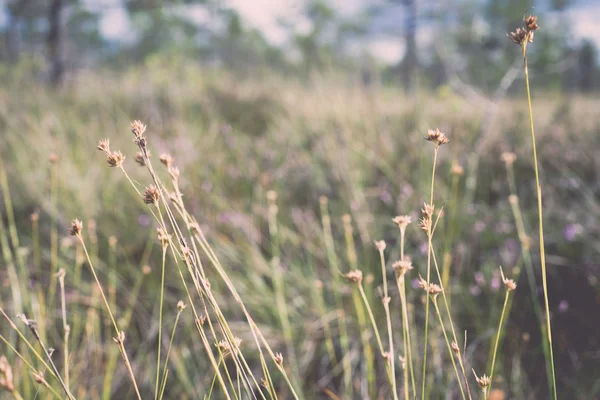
column 510, row 286
column 180, row 307
column 386, row 305
column 66, row 327
column 438, row 138
column 165, row 245
column 523, row 36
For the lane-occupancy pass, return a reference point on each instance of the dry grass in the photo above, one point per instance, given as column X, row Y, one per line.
column 268, row 269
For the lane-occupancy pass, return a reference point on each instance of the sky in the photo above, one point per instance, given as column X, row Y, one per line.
column 264, row 15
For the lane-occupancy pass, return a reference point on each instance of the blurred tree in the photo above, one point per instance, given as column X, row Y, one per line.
column 586, row 66
column 55, row 41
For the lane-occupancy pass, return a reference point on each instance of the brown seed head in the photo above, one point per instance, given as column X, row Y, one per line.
column 138, row 128
column 139, row 158
column 380, row 244
column 279, row 359
column 112, row 241
column 509, row 283
column 519, row 36
column 508, row 157
column 323, row 200
column 483, row 381
column 455, row 347
column 6, row 375
column 146, row 270
column 531, row 23
column 355, row 276
column 181, row 306
column 402, row 221
column 457, row 169
column 437, row 137
column 423, row 283
column 166, row 159
column 115, row 159
column 434, row 289
column 103, row 145
column 38, row 377
column 402, row 267
column 151, row 195
column 53, row 158
column 163, row 237
column 34, row 216
column 76, row 227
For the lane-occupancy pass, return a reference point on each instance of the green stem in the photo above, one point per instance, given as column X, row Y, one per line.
column 160, row 315
column 540, row 218
column 498, row 338
column 425, row 342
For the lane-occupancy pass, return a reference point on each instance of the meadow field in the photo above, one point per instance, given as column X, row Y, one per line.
column 273, row 190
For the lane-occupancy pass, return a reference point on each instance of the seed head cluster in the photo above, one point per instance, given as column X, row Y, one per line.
column 524, row 35
column 437, row 137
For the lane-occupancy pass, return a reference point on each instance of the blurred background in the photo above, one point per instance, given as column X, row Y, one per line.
column 310, row 99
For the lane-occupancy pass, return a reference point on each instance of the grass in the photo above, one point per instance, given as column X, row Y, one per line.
column 244, row 294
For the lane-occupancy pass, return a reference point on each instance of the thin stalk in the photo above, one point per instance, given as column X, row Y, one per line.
column 66, row 327
column 405, row 320
column 425, row 341
column 165, row 370
column 386, row 306
column 540, row 218
column 53, row 229
column 498, row 338
column 160, row 315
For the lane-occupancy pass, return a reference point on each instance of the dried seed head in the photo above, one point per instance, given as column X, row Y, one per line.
column 34, row 216
column 272, row 195
column 201, row 320
column 166, row 159
column 428, row 210
column 103, row 145
column 531, row 23
column 139, row 158
column 112, row 241
column 115, row 159
column 434, row 289
column 455, row 347
column 6, row 375
column 437, row 137
column 380, row 244
column 138, row 128
column 163, row 237
column 402, row 267
column 509, row 283
column 318, row 284
column 226, row 347
column 355, row 276
column 457, row 169
column 151, row 195
column 513, row 199
column 181, row 306
column 76, row 226
column 53, row 158
column 38, row 377
column 402, row 221
column 483, row 381
column 423, row 283
column 508, row 157
column 264, row 383
column 146, row 270
column 518, row 36
column 323, row 200
column 279, row 359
